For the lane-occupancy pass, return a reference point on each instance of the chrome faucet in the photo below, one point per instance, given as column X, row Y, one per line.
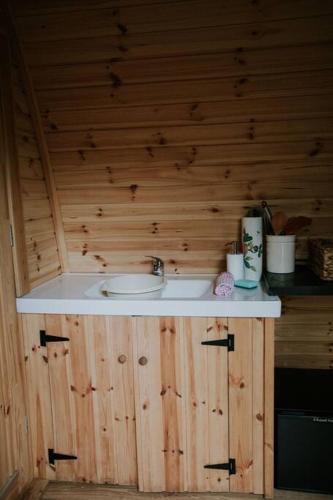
column 158, row 265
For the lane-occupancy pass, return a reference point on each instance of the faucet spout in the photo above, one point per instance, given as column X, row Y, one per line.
column 158, row 265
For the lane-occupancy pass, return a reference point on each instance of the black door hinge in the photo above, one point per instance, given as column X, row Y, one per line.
column 59, row 456
column 229, row 466
column 44, row 338
column 228, row 342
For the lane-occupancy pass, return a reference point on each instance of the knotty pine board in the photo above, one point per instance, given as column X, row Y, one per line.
column 236, row 63
column 192, row 91
column 180, row 42
column 160, row 406
column 277, row 131
column 207, row 400
column 146, row 18
column 226, row 155
column 204, row 113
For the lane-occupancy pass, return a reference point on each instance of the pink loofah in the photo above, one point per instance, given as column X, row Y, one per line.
column 224, row 285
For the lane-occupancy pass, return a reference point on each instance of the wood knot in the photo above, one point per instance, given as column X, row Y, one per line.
column 122, row 358
column 143, row 361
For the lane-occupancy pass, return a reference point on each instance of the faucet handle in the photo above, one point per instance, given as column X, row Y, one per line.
column 153, row 257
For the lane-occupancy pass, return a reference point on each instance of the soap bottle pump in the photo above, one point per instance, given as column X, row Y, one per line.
column 235, row 263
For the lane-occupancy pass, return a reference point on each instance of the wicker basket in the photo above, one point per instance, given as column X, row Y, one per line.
column 321, row 258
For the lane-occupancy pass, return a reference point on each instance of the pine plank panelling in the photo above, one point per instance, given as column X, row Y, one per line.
column 11, row 175
column 241, row 61
column 240, row 405
column 207, row 400
column 223, row 89
column 143, row 18
column 304, row 334
column 39, row 402
column 81, row 394
column 164, row 123
column 181, row 42
column 149, row 401
column 233, row 111
column 277, row 131
column 15, row 453
column 160, row 405
column 268, row 420
column 41, row 244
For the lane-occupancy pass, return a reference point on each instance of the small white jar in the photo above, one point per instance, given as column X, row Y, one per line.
column 280, row 252
column 235, row 265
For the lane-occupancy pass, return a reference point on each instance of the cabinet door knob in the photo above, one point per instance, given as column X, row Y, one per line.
column 143, row 361
column 122, row 358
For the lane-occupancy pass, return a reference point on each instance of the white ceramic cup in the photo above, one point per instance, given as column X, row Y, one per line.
column 280, row 252
column 235, row 265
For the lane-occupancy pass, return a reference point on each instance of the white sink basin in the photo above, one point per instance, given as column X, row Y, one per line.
column 148, row 286
column 132, row 284
column 186, row 289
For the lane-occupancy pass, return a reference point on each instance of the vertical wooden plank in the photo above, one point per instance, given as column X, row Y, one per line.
column 206, row 403
column 72, row 392
column 63, row 411
column 110, row 342
column 7, row 294
column 258, row 405
column 269, row 409
column 172, row 394
column 102, row 357
column 148, row 405
column 196, row 392
column 240, row 404
column 160, row 404
column 119, row 333
column 83, row 393
column 218, row 403
column 38, row 391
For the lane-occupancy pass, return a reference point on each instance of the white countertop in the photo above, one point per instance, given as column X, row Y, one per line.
column 66, row 295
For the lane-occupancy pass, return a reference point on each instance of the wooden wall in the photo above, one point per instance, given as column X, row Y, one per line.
column 304, row 333
column 164, row 121
column 15, row 457
column 41, row 244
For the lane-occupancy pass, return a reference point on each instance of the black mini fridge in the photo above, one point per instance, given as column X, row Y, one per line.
column 304, row 430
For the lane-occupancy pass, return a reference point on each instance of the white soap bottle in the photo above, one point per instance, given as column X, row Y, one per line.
column 235, row 261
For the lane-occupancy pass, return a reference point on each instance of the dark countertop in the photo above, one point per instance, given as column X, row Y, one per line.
column 302, row 282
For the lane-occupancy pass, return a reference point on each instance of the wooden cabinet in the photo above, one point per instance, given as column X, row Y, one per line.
column 152, row 401
column 181, row 404
column 81, row 397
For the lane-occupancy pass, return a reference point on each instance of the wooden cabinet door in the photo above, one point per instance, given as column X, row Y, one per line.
column 91, row 397
column 246, row 404
column 181, row 389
